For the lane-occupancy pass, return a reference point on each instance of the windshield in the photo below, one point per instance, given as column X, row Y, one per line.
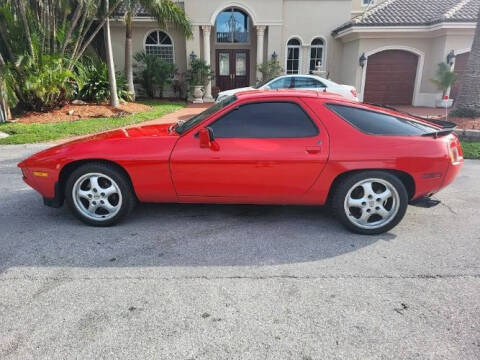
column 260, row 84
column 184, row 126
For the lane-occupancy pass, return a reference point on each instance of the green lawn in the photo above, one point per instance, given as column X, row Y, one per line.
column 471, row 149
column 31, row 133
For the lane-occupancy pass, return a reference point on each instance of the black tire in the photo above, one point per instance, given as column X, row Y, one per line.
column 128, row 198
column 343, row 188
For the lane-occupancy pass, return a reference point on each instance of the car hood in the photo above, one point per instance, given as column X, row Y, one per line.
column 103, row 140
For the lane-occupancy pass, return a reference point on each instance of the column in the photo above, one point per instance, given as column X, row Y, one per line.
column 193, row 44
column 260, row 41
column 206, row 56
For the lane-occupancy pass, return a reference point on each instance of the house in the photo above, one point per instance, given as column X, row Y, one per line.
column 388, row 49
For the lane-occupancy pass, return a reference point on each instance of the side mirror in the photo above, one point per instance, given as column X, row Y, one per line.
column 206, row 137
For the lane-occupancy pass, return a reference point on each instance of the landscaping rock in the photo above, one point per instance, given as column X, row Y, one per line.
column 3, row 135
column 79, row 102
column 70, row 112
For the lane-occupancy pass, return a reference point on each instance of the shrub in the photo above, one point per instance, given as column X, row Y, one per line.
column 155, row 74
column 444, row 78
column 40, row 84
column 270, row 69
column 93, row 82
column 199, row 73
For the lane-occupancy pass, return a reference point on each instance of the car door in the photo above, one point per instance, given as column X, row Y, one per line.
column 269, row 151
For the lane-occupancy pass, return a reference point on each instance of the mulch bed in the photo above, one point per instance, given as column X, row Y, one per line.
column 72, row 112
column 466, row 123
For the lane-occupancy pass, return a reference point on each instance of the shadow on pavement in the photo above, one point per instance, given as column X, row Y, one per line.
column 171, row 235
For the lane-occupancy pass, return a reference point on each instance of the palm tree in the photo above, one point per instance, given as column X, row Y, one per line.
column 110, row 65
column 167, row 12
column 468, row 102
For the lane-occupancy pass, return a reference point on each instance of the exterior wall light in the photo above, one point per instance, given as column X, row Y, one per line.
column 451, row 57
column 274, row 56
column 362, row 60
column 193, row 56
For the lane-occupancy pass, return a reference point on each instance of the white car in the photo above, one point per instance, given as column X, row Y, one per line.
column 305, row 82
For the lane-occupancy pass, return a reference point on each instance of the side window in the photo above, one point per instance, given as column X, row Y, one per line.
column 265, row 120
column 282, row 83
column 307, row 83
column 372, row 122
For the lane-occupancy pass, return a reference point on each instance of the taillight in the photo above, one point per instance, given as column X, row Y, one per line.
column 353, row 92
column 455, row 150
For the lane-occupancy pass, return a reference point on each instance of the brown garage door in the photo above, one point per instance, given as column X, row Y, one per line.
column 460, row 66
column 390, row 77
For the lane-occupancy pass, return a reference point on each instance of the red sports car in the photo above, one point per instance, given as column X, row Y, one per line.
column 257, row 147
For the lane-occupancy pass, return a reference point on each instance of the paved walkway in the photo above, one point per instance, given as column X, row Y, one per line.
column 183, row 114
column 421, row 111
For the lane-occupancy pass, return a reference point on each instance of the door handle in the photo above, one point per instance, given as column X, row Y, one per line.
column 313, row 149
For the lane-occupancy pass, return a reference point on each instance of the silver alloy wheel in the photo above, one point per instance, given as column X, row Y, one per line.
column 371, row 203
column 97, row 196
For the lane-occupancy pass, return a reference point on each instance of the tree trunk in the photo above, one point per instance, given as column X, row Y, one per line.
column 4, row 109
column 467, row 103
column 73, row 24
column 128, row 54
column 97, row 29
column 110, row 65
column 23, row 15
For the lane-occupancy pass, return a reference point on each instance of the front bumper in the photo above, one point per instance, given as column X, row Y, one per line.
column 57, row 200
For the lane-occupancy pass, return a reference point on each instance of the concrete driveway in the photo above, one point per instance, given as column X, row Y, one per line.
column 237, row 282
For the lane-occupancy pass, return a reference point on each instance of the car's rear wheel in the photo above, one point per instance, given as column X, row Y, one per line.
column 99, row 194
column 370, row 202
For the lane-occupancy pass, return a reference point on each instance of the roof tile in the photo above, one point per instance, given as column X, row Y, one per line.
column 416, row 12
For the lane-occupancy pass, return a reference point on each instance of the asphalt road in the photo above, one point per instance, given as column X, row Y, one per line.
column 237, row 282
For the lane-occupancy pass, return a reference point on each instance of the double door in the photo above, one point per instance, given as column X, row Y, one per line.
column 233, row 68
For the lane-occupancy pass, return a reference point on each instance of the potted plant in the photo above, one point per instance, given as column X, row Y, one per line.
column 269, row 69
column 198, row 77
column 444, row 79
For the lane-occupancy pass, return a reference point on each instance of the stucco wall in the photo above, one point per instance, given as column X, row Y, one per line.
column 358, row 8
column 140, row 31
column 284, row 18
column 307, row 19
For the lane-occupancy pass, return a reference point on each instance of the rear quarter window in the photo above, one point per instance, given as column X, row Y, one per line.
column 372, row 122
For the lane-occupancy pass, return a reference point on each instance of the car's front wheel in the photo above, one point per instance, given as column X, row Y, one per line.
column 99, row 194
column 370, row 202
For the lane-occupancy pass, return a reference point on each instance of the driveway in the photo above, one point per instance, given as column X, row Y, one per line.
column 237, row 282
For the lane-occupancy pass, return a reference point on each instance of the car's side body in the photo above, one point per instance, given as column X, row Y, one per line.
column 164, row 166
column 309, row 82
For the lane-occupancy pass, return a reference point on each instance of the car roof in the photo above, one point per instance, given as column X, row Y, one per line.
column 263, row 93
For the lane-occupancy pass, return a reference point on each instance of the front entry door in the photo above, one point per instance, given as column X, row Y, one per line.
column 233, row 68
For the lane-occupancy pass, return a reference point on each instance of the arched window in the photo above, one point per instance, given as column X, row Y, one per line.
column 317, row 55
column 232, row 26
column 159, row 43
column 293, row 56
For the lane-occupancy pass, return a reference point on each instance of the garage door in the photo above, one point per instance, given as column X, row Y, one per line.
column 460, row 66
column 390, row 77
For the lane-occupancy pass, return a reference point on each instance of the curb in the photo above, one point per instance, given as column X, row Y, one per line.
column 468, row 134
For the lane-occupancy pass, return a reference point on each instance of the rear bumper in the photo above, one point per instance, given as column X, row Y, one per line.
column 452, row 173
column 428, row 184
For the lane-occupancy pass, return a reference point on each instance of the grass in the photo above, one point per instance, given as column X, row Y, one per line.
column 471, row 149
column 32, row 133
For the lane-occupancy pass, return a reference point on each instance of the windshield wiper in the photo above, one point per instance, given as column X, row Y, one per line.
column 438, row 133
